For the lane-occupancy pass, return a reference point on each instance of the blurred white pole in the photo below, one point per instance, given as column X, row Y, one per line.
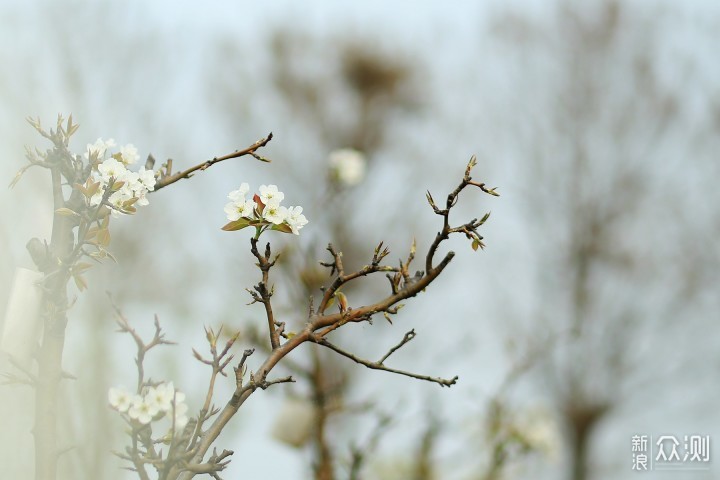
column 22, row 320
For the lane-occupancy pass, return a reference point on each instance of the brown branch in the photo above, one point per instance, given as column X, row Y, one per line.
column 262, row 294
column 379, row 365
column 363, row 313
column 216, row 463
column 169, row 178
column 407, row 338
column 142, row 347
column 470, row 228
column 243, row 392
column 218, row 363
column 341, row 279
column 319, row 324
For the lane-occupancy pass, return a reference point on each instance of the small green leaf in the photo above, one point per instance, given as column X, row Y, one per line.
column 81, row 189
column 66, row 212
column 472, row 163
column 110, row 256
column 475, row 245
column 18, row 176
column 430, row 199
column 103, row 237
column 283, row 227
column 80, row 282
column 236, row 225
column 342, row 301
column 92, row 189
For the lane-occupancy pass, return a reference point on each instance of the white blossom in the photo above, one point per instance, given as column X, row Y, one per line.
column 132, row 180
column 129, row 154
column 347, row 166
column 118, row 199
column 264, row 210
column 239, row 194
column 180, row 414
column 164, row 395
column 142, row 410
column 97, row 197
column 295, row 219
column 147, row 178
column 120, row 399
column 240, row 209
column 99, row 148
column 275, row 213
column 269, row 194
column 135, row 184
column 111, row 168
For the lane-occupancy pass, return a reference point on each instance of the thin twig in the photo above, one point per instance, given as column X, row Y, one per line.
column 408, row 336
column 169, row 179
column 379, row 366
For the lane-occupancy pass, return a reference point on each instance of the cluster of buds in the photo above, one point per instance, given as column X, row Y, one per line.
column 263, row 211
column 112, row 183
column 153, row 405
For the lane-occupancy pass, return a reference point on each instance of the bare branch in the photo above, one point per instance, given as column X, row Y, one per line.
column 469, row 228
column 379, row 366
column 263, row 292
column 216, row 463
column 142, row 347
column 404, row 286
column 408, row 337
column 169, row 178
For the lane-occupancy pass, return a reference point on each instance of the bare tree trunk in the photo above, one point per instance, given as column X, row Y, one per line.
column 50, row 356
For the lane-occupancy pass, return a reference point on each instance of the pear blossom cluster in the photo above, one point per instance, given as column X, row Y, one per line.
column 262, row 210
column 156, row 403
column 112, row 168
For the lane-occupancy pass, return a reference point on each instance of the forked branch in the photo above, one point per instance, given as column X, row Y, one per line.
column 320, row 324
